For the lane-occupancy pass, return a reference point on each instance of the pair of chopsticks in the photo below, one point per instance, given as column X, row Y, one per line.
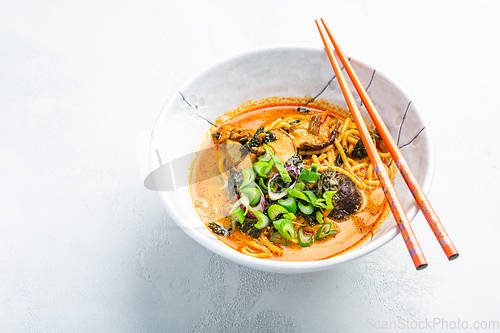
column 379, row 168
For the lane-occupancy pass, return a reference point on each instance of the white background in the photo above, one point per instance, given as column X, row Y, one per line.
column 84, row 247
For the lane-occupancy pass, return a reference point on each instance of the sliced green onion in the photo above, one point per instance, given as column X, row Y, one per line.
column 289, row 203
column 248, row 177
column 319, row 217
column 275, row 195
column 314, row 167
column 274, row 210
column 237, row 217
column 290, row 216
column 325, row 202
column 267, row 156
column 262, row 185
column 299, row 186
column 281, row 169
column 262, row 168
column 285, row 228
column 242, row 201
column 306, row 209
column 311, row 197
column 309, row 175
column 253, row 195
column 262, row 220
column 304, row 240
column 320, row 203
column 277, row 238
column 303, row 204
column 297, row 194
column 326, row 230
column 328, row 196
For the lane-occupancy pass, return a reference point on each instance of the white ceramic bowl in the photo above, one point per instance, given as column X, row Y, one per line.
column 283, row 72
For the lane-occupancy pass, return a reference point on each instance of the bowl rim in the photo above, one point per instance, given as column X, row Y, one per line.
column 289, row 267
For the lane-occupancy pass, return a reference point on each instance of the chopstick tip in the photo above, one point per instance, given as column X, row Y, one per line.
column 421, row 267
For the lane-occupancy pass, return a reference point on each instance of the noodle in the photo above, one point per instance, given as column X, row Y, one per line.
column 384, row 155
column 350, row 175
column 347, row 133
column 253, row 249
column 273, row 125
column 352, row 162
column 342, row 154
column 315, row 159
column 371, row 182
column 344, row 126
column 273, row 248
column 283, row 125
column 358, row 167
column 322, row 157
column 293, row 118
column 346, row 176
column 331, row 157
column 369, row 173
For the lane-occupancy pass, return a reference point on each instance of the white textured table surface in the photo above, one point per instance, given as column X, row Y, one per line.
column 84, row 247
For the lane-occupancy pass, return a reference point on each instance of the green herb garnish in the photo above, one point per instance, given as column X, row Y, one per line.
column 359, row 150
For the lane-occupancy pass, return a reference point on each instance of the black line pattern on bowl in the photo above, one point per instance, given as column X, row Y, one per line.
column 368, row 86
column 327, row 85
column 401, row 127
column 361, row 104
column 195, row 107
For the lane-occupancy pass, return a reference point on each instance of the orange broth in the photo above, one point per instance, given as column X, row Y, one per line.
column 212, row 202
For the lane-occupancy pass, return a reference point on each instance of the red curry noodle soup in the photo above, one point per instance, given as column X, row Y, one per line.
column 292, row 182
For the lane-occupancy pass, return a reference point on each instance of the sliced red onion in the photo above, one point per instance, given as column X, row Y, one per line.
column 295, row 170
column 275, row 196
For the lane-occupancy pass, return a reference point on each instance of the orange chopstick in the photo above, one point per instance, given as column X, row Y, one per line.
column 390, row 193
column 415, row 189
